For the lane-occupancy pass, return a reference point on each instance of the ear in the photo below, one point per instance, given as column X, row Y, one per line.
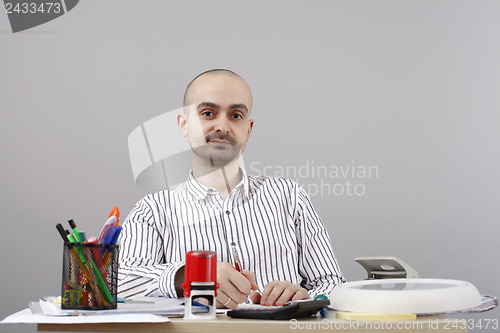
column 250, row 129
column 182, row 123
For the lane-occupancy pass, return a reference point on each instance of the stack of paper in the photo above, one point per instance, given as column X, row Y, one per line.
column 140, row 310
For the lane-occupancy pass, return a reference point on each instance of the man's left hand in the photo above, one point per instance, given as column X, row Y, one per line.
column 278, row 293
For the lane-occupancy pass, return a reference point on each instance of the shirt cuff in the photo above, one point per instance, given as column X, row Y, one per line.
column 166, row 282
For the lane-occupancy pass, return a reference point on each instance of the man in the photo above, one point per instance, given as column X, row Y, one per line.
column 284, row 247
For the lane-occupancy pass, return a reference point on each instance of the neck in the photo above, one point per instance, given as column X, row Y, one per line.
column 224, row 179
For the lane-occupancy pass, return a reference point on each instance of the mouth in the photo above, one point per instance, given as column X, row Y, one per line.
column 219, row 141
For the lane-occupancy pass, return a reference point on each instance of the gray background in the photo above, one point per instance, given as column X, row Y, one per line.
column 409, row 86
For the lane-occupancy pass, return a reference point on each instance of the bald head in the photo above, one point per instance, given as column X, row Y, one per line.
column 216, row 118
column 209, row 76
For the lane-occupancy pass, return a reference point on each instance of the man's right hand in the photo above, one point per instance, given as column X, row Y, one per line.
column 234, row 287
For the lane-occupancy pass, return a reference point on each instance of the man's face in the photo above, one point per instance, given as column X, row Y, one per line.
column 218, row 123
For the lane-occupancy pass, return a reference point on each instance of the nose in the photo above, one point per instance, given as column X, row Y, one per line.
column 222, row 125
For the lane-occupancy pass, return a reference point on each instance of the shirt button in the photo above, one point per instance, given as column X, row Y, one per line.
column 228, row 212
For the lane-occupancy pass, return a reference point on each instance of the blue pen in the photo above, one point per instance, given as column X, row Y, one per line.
column 108, row 236
column 106, row 229
column 114, row 235
column 112, row 238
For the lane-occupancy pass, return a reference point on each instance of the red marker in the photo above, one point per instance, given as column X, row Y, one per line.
column 96, row 254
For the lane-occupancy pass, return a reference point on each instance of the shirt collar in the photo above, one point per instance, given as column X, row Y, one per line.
column 201, row 191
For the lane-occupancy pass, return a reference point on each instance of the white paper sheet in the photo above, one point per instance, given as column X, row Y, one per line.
column 151, row 305
column 26, row 317
column 140, row 310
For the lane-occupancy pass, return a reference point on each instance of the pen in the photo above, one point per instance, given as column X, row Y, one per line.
column 115, row 212
column 237, row 263
column 73, row 226
column 107, row 228
column 72, row 239
column 236, row 258
column 64, row 235
column 97, row 259
column 73, row 271
column 97, row 291
column 113, row 238
column 108, row 236
column 62, row 232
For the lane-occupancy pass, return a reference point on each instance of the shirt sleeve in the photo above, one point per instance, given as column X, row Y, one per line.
column 143, row 270
column 317, row 263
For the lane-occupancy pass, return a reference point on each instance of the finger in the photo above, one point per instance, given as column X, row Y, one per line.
column 251, row 277
column 224, row 301
column 224, row 271
column 241, row 282
column 301, row 294
column 231, row 305
column 231, row 291
column 287, row 294
column 234, row 284
column 255, row 297
column 268, row 288
column 276, row 293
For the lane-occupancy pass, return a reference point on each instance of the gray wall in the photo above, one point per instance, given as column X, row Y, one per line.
column 410, row 87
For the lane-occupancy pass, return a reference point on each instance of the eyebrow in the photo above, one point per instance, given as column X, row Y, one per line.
column 217, row 106
column 207, row 104
column 239, row 106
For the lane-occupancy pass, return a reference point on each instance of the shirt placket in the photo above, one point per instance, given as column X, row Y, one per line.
column 230, row 222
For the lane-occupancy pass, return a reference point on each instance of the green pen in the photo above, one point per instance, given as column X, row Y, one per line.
column 101, row 284
column 72, row 239
column 75, row 230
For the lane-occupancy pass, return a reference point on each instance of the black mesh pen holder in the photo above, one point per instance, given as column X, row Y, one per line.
column 89, row 276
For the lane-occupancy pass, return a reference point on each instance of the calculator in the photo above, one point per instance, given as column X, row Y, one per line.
column 293, row 309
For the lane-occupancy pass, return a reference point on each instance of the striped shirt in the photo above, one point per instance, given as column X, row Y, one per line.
column 278, row 233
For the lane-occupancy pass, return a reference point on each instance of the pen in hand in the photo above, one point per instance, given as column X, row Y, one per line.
column 236, row 258
column 237, row 264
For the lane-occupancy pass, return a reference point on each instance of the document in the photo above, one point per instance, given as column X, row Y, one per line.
column 137, row 310
column 152, row 305
column 27, row 317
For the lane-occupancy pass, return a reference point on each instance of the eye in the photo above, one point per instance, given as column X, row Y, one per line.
column 237, row 116
column 207, row 113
